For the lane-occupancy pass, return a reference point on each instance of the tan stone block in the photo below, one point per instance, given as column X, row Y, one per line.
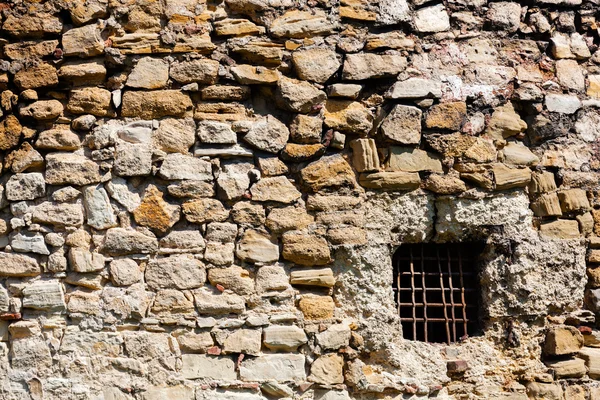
column 542, row 182
column 573, row 200
column 409, row 159
column 155, row 104
column 237, row 27
column 331, row 171
column 348, row 116
column 234, row 278
column 446, row 115
column 508, row 178
column 287, row 219
column 593, row 89
column 306, row 249
column 593, row 256
column 586, row 223
column 251, row 75
column 562, row 340
column 546, row 205
column 316, row 307
column 156, row 213
column 593, row 273
column 560, row 229
column 41, row 75
column 349, row 235
column 444, row 184
column 313, row 277
column 327, row 369
column 205, row 210
column 364, row 155
column 592, row 361
column 571, row 368
column 398, row 180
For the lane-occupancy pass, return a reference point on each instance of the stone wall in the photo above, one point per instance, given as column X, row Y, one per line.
column 201, row 199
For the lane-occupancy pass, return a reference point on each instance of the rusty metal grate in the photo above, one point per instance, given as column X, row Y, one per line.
column 437, row 291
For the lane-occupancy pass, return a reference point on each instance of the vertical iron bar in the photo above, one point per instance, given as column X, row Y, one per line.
column 424, row 294
column 412, row 286
column 462, row 292
column 451, row 295
column 439, row 263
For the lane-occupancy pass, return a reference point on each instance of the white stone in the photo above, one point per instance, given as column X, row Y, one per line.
column 180, row 166
column 414, row 88
column 216, row 133
column 200, row 366
column 25, row 186
column 432, row 19
column 562, row 103
column 99, row 212
column 29, row 243
column 277, row 367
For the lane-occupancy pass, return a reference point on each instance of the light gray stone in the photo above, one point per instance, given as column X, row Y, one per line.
column 82, row 260
column 62, row 214
column 180, row 166
column 175, row 272
column 149, row 73
column 199, row 366
column 214, row 132
column 277, row 367
column 284, row 337
column 258, row 247
column 99, row 212
column 268, row 134
column 44, row 295
column 29, row 243
column 27, row 186
column 415, row 88
column 431, row 19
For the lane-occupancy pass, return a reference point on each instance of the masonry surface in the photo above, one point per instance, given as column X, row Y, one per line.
column 201, row 199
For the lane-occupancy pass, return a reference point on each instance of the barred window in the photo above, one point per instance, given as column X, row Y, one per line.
column 437, row 290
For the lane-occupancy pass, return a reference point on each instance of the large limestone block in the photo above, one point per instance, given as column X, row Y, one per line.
column 156, row 213
column 330, row 171
column 255, row 246
column 149, row 73
column 306, row 249
column 592, row 361
column 298, row 96
column 402, row 125
column 277, row 367
column 315, row 307
column 348, row 116
column 334, row 337
column 155, row 104
column 570, row 368
column 268, row 134
column 562, row 340
column 234, row 278
column 63, row 214
column 369, row 65
column 26, row 186
column 317, row 64
column 175, row 272
column 213, row 302
column 364, row 155
column 327, row 369
column 12, row 264
column 58, row 139
column 284, row 338
column 178, row 392
column 82, row 260
column 288, row 218
column 92, row 100
column 560, row 229
column 205, row 210
column 301, row 24
column 245, row 341
column 408, row 159
column 277, row 189
column 121, row 241
column 99, row 212
column 44, row 295
column 398, row 180
column 70, row 169
column 200, row 366
column 314, row 277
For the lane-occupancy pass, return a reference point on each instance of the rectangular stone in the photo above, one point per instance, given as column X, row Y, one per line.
column 44, row 295
column 313, row 277
column 409, row 159
column 277, row 367
column 12, row 264
column 200, row 366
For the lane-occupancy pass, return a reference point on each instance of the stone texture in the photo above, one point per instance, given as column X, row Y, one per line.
column 402, row 125
column 276, row 367
column 305, row 249
column 257, row 247
column 284, row 338
column 155, row 104
column 175, row 272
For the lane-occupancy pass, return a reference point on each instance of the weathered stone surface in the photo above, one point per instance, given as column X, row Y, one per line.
column 172, row 392
column 149, row 73
column 504, row 15
column 82, row 260
column 204, row 210
column 505, row 122
column 124, row 272
column 518, row 154
column 298, row 96
column 83, row 42
column 364, row 155
column 27, row 186
column 216, row 133
column 99, row 212
column 314, row 277
column 268, row 134
column 234, row 278
column 70, row 169
column 276, row 367
column 155, row 104
column 508, row 178
column 257, row 247
column 415, row 88
column 317, row 64
column 39, row 76
column 156, row 213
column 80, row 73
column 446, row 115
column 402, row 125
column 245, row 341
column 413, row 160
column 250, row 75
column 431, row 19
column 305, row 249
column 44, row 295
column 368, row 66
column 560, row 229
column 573, row 368
column 42, row 110
column 58, row 214
column 175, row 272
column 278, row 189
column 201, row 70
column 327, row 369
column 175, row 135
column 573, row 200
column 58, row 139
column 331, row 171
column 18, row 265
column 24, row 243
column 179, row 166
column 197, row 366
column 300, row 24
column 95, row 101
column 211, row 302
column 287, row 219
column 348, row 116
column 284, row 338
column 121, row 241
column 316, row 307
column 390, row 180
column 592, row 361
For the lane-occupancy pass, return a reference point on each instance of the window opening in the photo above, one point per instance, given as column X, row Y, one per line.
column 437, row 291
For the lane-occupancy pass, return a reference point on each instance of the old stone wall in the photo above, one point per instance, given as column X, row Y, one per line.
column 200, row 199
